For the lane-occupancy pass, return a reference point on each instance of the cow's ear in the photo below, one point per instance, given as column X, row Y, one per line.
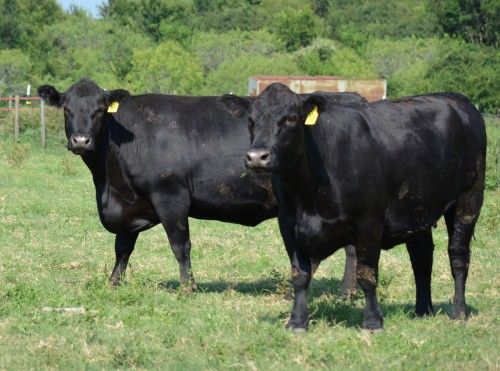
column 312, row 105
column 236, row 106
column 50, row 95
column 116, row 95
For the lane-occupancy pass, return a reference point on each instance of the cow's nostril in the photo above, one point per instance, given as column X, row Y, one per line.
column 264, row 156
column 248, row 158
column 87, row 141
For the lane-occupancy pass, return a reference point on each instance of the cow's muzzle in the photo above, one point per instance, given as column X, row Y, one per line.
column 258, row 159
column 80, row 143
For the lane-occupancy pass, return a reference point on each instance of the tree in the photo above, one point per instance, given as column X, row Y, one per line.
column 325, row 57
column 476, row 21
column 214, row 48
column 232, row 75
column 103, row 52
column 295, row 28
column 14, row 72
column 470, row 69
column 166, row 68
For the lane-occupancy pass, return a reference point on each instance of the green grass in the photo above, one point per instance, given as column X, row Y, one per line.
column 54, row 253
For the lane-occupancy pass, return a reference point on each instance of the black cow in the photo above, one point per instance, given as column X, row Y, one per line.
column 160, row 159
column 373, row 175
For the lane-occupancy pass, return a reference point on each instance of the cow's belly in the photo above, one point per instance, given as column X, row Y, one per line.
column 238, row 211
column 121, row 216
column 319, row 237
column 404, row 220
column 246, row 200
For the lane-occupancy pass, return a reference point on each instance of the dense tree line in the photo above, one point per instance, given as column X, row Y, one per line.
column 212, row 47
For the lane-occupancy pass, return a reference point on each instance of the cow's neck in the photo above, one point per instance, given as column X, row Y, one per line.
column 307, row 176
column 300, row 184
column 98, row 164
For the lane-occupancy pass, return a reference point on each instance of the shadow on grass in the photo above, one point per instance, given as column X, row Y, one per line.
column 273, row 285
column 325, row 299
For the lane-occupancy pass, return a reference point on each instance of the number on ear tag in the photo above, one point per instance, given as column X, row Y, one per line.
column 312, row 117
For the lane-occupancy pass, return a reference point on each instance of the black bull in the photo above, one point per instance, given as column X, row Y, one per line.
column 371, row 175
column 162, row 159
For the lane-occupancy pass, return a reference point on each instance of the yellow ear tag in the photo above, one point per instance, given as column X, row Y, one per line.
column 113, row 107
column 312, row 117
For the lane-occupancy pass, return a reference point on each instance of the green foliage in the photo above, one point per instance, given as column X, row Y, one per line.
column 15, row 153
column 325, row 57
column 15, row 67
column 470, row 69
column 493, row 157
column 166, row 68
column 214, row 48
column 404, row 63
column 225, row 15
column 20, row 20
column 472, row 20
column 353, row 22
column 295, row 28
column 399, row 40
column 232, row 75
column 103, row 52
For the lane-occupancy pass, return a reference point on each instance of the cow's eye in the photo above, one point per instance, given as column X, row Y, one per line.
column 292, row 119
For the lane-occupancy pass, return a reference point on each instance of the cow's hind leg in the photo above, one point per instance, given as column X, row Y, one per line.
column 421, row 248
column 461, row 220
column 124, row 245
column 173, row 213
column 178, row 236
column 349, row 279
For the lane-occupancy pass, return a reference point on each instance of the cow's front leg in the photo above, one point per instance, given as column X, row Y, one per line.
column 368, row 254
column 301, row 276
column 124, row 245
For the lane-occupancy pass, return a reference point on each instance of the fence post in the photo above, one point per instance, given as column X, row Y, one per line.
column 42, row 122
column 10, row 101
column 16, row 119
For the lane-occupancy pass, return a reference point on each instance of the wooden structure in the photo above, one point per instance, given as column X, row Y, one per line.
column 372, row 90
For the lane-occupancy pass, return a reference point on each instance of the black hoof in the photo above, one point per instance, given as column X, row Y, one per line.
column 373, row 325
column 459, row 315
column 188, row 287
column 347, row 294
column 296, row 328
column 423, row 312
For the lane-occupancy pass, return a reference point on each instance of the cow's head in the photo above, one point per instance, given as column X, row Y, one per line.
column 276, row 122
column 85, row 106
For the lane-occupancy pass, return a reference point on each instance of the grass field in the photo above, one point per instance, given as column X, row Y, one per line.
column 55, row 254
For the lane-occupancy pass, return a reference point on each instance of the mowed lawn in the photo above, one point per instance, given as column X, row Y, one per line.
column 55, row 254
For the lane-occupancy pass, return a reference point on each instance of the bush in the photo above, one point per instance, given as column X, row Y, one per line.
column 15, row 69
column 166, row 68
column 470, row 69
column 325, row 57
column 15, row 153
column 214, row 48
column 232, row 75
column 295, row 28
column 404, row 63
